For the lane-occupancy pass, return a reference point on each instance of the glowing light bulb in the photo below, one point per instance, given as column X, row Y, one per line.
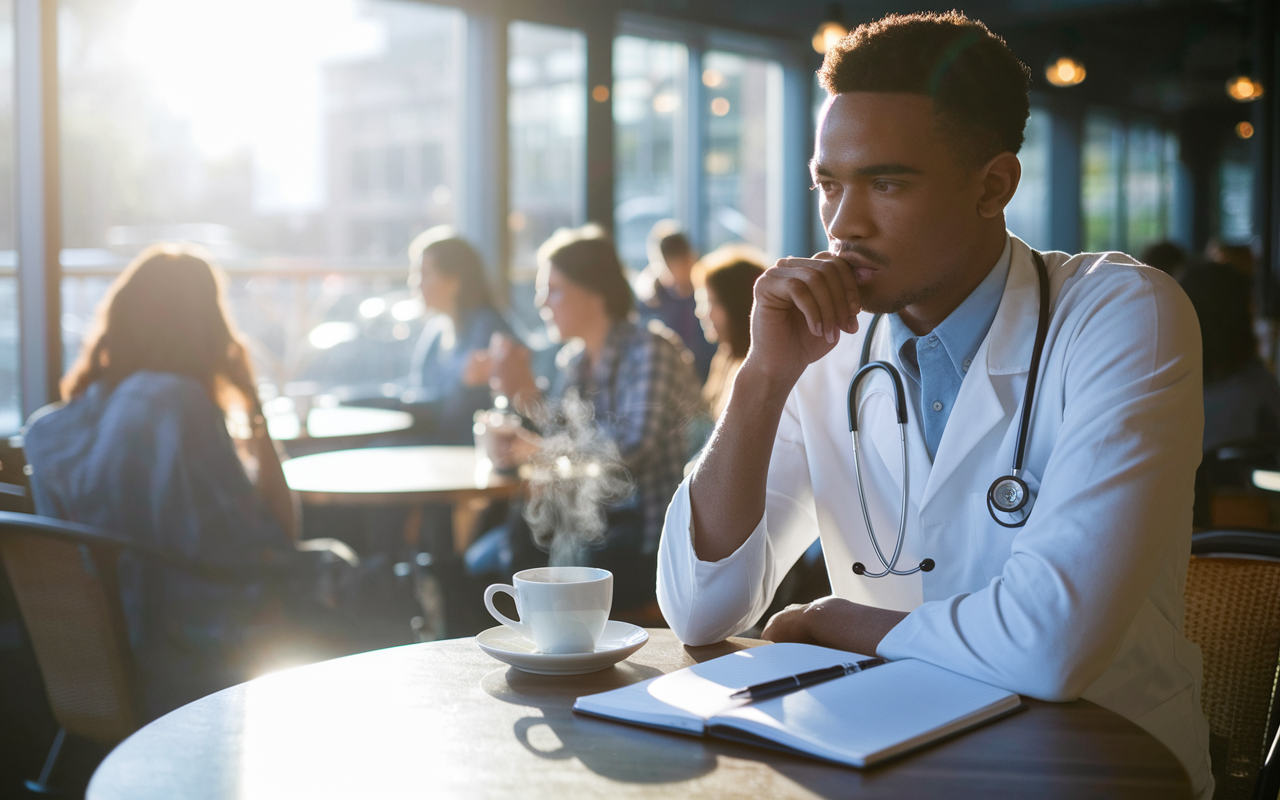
column 1244, row 130
column 1065, row 72
column 828, row 36
column 1244, row 89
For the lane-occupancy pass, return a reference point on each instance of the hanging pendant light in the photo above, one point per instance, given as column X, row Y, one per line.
column 1244, row 89
column 1066, row 71
column 830, row 32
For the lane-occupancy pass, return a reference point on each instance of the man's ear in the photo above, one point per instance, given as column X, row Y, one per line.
column 1000, row 178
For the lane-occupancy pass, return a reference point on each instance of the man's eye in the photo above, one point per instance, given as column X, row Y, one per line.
column 826, row 187
column 883, row 186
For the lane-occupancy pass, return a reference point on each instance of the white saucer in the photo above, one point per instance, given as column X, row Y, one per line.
column 619, row 640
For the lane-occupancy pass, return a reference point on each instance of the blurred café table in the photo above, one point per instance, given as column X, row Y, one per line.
column 404, row 476
column 329, row 426
column 442, row 719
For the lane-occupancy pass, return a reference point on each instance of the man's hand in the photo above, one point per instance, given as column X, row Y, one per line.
column 801, row 306
column 833, row 622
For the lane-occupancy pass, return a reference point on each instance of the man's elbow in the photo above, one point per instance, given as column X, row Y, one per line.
column 1056, row 678
column 685, row 625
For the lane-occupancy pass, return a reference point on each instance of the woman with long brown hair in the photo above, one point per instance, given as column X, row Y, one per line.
column 140, row 446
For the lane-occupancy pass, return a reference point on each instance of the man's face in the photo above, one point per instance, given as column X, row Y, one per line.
column 896, row 202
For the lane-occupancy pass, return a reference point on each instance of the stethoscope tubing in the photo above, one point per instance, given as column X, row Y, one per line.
column 866, row 366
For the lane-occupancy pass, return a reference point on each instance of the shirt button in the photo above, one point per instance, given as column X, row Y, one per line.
column 937, row 405
column 967, row 362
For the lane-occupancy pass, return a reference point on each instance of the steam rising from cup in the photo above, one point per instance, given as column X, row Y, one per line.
column 576, row 474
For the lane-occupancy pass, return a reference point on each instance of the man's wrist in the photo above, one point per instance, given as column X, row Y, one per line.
column 763, row 384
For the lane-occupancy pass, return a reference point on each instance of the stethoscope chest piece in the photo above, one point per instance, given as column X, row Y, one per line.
column 1008, row 494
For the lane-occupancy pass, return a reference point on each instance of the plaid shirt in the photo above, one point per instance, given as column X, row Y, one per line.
column 648, row 401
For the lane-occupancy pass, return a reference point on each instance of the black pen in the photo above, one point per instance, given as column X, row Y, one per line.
column 791, row 683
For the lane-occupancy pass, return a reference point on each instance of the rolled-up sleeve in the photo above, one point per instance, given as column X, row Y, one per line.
column 1112, row 514
column 704, row 601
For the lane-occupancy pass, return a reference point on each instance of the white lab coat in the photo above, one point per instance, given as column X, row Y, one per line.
column 1086, row 599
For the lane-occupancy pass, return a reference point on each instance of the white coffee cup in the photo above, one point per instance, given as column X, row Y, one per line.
column 561, row 609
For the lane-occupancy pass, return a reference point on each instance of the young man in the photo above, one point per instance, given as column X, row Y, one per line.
column 665, row 287
column 915, row 162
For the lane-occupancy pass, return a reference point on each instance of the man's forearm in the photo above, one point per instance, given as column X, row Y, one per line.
column 727, row 491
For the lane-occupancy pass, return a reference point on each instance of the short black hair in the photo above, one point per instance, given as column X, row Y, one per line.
column 979, row 88
column 587, row 257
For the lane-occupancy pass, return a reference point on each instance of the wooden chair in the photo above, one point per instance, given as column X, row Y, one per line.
column 1233, row 614
column 63, row 576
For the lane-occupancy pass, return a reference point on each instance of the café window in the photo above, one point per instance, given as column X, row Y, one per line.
column 10, row 384
column 1027, row 215
column 741, row 160
column 303, row 145
column 648, row 108
column 1235, row 196
column 546, row 111
column 1127, row 184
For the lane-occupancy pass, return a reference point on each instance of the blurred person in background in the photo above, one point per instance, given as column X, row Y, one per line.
column 1237, row 256
column 639, row 380
column 1241, row 396
column 1167, row 257
column 449, row 378
column 140, row 447
column 665, row 291
column 728, row 275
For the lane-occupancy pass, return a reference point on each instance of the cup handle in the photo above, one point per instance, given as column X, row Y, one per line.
column 519, row 627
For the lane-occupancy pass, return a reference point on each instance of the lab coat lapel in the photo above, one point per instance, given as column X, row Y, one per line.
column 1006, row 351
column 879, row 428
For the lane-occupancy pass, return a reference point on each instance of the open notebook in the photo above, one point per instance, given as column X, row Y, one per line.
column 857, row 720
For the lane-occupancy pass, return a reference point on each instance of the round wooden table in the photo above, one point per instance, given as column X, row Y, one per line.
column 410, row 476
column 443, row 719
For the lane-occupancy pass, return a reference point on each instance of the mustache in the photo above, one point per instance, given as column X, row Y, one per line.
column 860, row 250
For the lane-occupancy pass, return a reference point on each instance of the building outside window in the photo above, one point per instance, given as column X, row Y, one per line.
column 302, row 143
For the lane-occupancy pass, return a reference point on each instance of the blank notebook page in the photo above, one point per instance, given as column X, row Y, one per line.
column 872, row 714
column 685, row 698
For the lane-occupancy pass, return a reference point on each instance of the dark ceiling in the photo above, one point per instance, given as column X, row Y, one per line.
column 1166, row 57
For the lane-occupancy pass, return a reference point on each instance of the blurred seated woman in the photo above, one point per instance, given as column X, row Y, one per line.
column 728, row 276
column 642, row 389
column 141, row 447
column 449, row 376
column 1241, row 396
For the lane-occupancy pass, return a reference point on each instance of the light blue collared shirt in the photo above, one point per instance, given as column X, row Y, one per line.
column 937, row 362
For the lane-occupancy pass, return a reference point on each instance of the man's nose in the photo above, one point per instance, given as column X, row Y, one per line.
column 850, row 218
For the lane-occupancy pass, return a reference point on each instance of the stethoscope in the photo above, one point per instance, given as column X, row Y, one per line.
column 1008, row 494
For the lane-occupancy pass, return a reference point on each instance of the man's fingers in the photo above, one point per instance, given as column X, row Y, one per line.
column 841, row 283
column 834, row 273
column 807, row 292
